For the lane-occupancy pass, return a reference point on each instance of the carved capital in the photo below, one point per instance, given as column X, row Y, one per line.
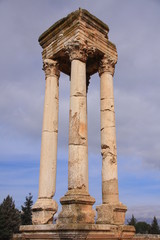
column 78, row 50
column 50, row 68
column 107, row 64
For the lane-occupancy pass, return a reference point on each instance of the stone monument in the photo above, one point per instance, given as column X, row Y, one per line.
column 78, row 46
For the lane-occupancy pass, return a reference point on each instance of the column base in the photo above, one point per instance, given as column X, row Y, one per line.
column 75, row 232
column 111, row 214
column 43, row 211
column 76, row 208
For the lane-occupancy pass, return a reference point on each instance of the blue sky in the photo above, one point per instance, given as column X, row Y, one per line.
column 134, row 28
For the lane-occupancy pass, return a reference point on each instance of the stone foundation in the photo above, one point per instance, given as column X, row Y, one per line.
column 76, row 232
column 101, row 235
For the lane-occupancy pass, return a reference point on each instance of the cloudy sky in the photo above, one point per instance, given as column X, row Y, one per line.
column 135, row 29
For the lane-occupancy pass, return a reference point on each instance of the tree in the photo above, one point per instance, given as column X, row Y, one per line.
column 154, row 227
column 26, row 215
column 143, row 227
column 9, row 219
column 132, row 221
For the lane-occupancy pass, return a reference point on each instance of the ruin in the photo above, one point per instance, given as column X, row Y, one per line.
column 78, row 46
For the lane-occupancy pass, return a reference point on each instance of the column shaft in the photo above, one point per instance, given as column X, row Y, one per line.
column 78, row 144
column 111, row 211
column 108, row 141
column 47, row 180
column 46, row 207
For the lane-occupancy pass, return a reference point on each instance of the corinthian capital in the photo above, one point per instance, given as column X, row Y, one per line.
column 50, row 67
column 107, row 64
column 78, row 50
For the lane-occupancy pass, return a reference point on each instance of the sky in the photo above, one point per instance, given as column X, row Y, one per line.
column 134, row 28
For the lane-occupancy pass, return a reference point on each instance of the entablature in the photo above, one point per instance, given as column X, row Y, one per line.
column 79, row 26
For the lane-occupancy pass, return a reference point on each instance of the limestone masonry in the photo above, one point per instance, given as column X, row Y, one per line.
column 78, row 46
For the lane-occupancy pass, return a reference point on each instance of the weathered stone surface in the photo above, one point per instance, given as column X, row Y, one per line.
column 78, row 26
column 77, row 50
column 77, row 231
column 43, row 211
column 107, row 64
column 45, row 207
column 77, row 207
column 110, row 189
column 110, row 196
column 77, row 203
column 146, row 237
column 78, row 122
column 78, row 143
column 51, row 68
column 111, row 214
column 78, row 74
column 47, row 182
column 78, row 167
column 48, row 161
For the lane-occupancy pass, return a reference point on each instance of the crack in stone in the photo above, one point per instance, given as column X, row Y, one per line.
column 77, row 144
column 107, row 109
column 107, row 127
column 107, row 154
column 107, row 98
column 78, row 94
column 113, row 160
column 104, row 146
column 81, row 187
column 50, row 131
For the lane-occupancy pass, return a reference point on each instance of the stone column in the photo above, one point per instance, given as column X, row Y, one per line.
column 111, row 211
column 46, row 207
column 77, row 203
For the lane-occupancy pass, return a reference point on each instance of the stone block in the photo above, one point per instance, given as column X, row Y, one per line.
column 78, row 167
column 111, row 214
column 110, row 191
column 77, row 208
column 76, row 232
column 43, row 211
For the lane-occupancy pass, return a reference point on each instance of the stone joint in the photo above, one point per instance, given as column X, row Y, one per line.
column 107, row 64
column 50, row 68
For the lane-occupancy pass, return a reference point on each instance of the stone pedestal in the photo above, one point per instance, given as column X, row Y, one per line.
column 76, row 232
column 43, row 211
column 77, row 208
column 111, row 214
